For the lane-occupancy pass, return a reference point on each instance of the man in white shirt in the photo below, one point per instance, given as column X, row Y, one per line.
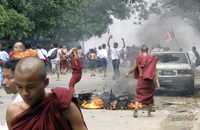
column 55, row 62
column 42, row 53
column 3, row 58
column 115, row 57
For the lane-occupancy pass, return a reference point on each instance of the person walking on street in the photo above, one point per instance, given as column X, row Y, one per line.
column 76, row 66
column 145, row 72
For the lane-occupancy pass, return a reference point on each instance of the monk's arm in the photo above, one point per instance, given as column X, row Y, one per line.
column 132, row 70
column 75, row 118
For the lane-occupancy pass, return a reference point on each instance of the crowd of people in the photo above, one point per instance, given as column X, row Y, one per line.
column 24, row 74
column 98, row 58
column 59, row 59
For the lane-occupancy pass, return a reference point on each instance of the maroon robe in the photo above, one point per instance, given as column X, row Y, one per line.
column 76, row 66
column 146, row 65
column 46, row 115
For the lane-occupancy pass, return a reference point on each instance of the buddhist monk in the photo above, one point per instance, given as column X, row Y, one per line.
column 20, row 51
column 145, row 72
column 41, row 110
column 19, row 46
column 76, row 66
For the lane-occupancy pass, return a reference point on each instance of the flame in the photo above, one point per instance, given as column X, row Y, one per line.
column 95, row 103
column 135, row 105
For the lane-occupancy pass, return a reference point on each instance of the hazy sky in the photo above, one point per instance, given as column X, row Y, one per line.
column 151, row 32
column 118, row 29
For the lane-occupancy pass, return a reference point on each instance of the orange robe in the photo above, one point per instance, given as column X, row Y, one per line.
column 23, row 54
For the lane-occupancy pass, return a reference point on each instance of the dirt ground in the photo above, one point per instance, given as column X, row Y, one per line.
column 172, row 112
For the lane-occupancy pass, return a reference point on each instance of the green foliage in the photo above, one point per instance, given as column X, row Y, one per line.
column 13, row 25
column 58, row 20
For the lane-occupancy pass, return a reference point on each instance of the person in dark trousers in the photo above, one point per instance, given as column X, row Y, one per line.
column 104, row 59
column 115, row 57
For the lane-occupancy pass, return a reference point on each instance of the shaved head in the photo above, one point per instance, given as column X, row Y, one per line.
column 31, row 79
column 31, row 66
column 19, row 46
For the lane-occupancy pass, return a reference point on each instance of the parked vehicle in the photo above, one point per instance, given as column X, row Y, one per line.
column 175, row 72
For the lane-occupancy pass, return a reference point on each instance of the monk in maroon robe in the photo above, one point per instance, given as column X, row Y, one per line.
column 41, row 110
column 76, row 66
column 145, row 73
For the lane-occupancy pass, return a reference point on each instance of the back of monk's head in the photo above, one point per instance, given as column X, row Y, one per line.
column 144, row 48
column 32, row 66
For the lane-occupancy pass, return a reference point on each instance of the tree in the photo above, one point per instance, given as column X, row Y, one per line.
column 13, row 25
column 58, row 20
column 187, row 9
column 42, row 15
column 94, row 17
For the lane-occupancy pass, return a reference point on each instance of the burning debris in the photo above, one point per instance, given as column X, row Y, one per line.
column 94, row 103
column 108, row 101
column 135, row 105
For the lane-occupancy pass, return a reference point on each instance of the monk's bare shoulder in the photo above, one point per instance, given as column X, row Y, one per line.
column 15, row 109
column 74, row 116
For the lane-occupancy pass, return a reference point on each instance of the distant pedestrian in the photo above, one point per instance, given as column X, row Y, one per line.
column 20, row 51
column 54, row 56
column 63, row 60
column 115, row 57
column 104, row 59
column 99, row 58
column 3, row 58
column 197, row 56
column 92, row 61
column 42, row 54
column 76, row 66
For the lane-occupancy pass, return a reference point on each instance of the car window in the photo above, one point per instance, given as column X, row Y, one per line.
column 172, row 58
